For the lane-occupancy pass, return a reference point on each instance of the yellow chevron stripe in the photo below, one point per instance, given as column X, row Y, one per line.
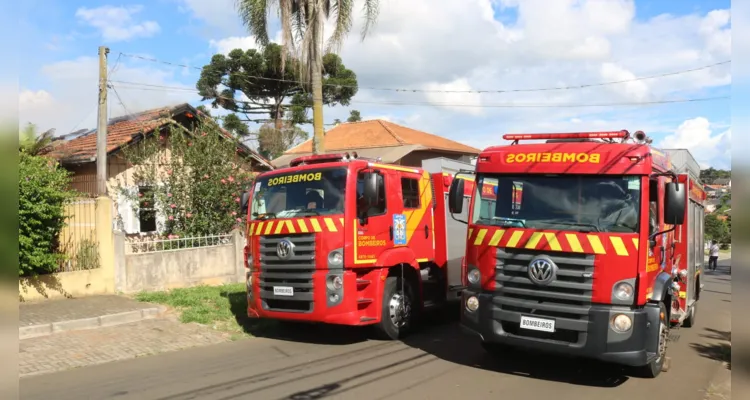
column 393, row 167
column 290, row 226
column 342, row 222
column 279, row 226
column 480, row 237
column 496, row 237
column 683, row 295
column 260, row 227
column 513, row 242
column 619, row 246
column 315, row 225
column 533, row 240
column 302, row 226
column 596, row 244
column 414, row 217
column 251, row 230
column 552, row 241
column 635, row 243
column 575, row 245
column 471, row 230
column 268, row 228
column 331, row 226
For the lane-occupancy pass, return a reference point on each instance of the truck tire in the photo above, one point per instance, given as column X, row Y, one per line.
column 690, row 320
column 654, row 368
column 398, row 309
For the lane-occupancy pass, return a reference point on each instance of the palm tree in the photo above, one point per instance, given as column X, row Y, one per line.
column 302, row 34
column 34, row 144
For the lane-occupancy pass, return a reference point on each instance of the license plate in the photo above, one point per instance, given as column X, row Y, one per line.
column 283, row 291
column 537, row 324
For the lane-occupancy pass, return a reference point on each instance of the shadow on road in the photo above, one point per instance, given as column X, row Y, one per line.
column 444, row 339
column 292, row 331
column 721, row 351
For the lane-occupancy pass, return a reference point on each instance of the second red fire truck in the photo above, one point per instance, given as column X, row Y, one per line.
column 343, row 240
column 590, row 244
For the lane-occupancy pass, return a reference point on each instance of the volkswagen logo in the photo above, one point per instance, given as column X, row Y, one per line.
column 285, row 249
column 542, row 271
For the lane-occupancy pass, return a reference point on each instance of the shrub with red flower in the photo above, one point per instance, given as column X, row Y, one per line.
column 195, row 185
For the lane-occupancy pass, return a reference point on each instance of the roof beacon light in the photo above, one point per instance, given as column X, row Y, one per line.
column 623, row 134
column 319, row 158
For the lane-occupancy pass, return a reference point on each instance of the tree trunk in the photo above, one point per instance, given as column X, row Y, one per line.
column 318, row 147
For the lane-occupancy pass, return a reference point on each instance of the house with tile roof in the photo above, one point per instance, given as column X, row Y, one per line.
column 76, row 152
column 390, row 142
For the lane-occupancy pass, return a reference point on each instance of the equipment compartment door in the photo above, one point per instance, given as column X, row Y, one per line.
column 373, row 226
column 417, row 208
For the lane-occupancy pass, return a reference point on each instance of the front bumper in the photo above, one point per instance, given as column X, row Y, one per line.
column 311, row 305
column 597, row 340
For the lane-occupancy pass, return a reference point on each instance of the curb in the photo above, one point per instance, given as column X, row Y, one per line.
column 32, row 331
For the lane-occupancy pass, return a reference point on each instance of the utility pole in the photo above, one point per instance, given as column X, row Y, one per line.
column 101, row 129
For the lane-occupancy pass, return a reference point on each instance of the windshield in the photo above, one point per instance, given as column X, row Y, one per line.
column 301, row 193
column 579, row 203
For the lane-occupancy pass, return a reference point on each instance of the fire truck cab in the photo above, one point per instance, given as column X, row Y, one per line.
column 591, row 245
column 339, row 239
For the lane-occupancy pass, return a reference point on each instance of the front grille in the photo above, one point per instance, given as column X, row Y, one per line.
column 567, row 300
column 296, row 273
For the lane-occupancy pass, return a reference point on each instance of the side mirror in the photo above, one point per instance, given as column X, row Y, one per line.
column 456, row 196
column 674, row 203
column 370, row 193
column 244, row 202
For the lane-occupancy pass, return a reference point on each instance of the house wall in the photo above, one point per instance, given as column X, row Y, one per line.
column 414, row 159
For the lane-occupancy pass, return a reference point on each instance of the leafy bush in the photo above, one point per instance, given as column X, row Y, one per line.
column 42, row 194
column 196, row 186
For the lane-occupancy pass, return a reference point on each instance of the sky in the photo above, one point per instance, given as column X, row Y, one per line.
column 443, row 51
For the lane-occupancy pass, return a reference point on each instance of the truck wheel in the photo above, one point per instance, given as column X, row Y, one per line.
column 398, row 312
column 654, row 368
column 690, row 320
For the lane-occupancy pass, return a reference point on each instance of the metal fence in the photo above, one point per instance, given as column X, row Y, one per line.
column 153, row 244
column 78, row 239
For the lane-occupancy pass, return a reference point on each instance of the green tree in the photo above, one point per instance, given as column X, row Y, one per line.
column 354, row 116
column 276, row 141
column 715, row 229
column 42, row 194
column 302, row 24
column 33, row 143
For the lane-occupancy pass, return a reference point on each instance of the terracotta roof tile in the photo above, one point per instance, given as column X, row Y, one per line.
column 380, row 133
column 121, row 131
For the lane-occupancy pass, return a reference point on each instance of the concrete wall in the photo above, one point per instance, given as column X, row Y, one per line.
column 168, row 269
column 79, row 283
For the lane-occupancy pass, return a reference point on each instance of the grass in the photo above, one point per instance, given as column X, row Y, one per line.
column 222, row 308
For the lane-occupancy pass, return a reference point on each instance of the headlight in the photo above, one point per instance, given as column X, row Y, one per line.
column 474, row 276
column 472, row 303
column 335, row 283
column 622, row 323
column 675, row 287
column 623, row 291
column 335, row 257
column 249, row 282
column 249, row 262
column 683, row 273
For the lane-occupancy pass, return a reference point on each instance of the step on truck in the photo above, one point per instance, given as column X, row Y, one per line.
column 339, row 239
column 590, row 244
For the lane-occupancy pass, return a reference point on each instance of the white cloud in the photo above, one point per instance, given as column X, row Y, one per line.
column 69, row 102
column 461, row 84
column 224, row 46
column 118, row 23
column 707, row 147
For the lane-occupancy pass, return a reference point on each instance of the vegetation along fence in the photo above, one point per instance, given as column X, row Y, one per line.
column 78, row 240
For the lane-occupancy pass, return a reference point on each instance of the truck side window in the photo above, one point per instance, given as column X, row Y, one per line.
column 410, row 192
column 653, row 206
column 377, row 209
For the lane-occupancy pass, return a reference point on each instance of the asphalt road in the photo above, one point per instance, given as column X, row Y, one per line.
column 438, row 363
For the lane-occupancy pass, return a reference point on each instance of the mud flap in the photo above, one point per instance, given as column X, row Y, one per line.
column 652, row 329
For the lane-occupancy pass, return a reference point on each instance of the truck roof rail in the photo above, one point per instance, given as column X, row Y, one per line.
column 324, row 158
column 516, row 137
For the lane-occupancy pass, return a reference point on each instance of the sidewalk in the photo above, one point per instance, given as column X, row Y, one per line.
column 62, row 334
column 42, row 318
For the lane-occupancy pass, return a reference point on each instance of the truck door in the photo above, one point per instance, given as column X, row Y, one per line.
column 416, row 208
column 656, row 258
column 373, row 233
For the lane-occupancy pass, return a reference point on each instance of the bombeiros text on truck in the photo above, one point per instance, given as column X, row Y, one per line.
column 345, row 240
column 590, row 244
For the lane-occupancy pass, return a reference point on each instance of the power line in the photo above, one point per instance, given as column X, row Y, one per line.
column 150, row 87
column 570, row 87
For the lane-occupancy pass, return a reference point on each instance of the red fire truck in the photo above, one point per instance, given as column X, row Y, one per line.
column 344, row 240
column 591, row 245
